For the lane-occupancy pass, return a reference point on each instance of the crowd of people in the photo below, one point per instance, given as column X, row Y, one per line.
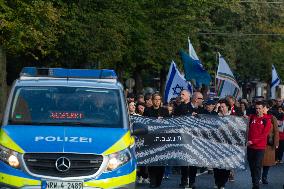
column 265, row 141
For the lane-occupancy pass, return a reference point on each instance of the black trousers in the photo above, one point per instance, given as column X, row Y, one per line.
column 142, row 172
column 221, row 176
column 156, row 174
column 255, row 158
column 280, row 150
column 265, row 170
column 188, row 172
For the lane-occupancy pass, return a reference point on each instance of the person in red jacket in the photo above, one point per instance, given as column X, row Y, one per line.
column 258, row 130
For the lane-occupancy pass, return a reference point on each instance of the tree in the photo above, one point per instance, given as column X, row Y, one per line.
column 3, row 83
column 140, row 38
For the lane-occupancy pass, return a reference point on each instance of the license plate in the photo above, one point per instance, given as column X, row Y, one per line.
column 62, row 185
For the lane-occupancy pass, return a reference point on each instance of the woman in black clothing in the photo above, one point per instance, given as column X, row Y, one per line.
column 156, row 172
column 221, row 176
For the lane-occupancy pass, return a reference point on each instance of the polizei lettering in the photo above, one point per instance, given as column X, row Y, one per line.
column 63, row 139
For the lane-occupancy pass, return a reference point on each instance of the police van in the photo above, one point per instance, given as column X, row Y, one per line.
column 67, row 129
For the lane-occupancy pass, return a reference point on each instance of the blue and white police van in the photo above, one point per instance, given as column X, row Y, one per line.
column 66, row 129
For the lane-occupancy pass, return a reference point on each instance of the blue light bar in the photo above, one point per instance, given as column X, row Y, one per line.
column 68, row 73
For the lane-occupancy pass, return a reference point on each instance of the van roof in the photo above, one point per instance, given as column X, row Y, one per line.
column 71, row 82
column 68, row 73
column 32, row 76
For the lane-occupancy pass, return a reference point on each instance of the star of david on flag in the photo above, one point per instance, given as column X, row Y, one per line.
column 177, row 89
column 175, row 83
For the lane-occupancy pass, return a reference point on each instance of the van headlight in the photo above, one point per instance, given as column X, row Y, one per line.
column 118, row 159
column 9, row 156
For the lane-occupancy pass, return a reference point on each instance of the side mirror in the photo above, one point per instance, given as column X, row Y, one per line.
column 139, row 129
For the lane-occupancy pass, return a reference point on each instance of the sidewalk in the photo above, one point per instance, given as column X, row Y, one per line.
column 242, row 180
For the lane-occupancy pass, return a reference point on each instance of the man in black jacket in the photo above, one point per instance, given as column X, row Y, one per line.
column 187, row 107
column 210, row 107
column 156, row 172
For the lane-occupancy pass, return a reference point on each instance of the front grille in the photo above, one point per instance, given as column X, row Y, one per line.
column 80, row 164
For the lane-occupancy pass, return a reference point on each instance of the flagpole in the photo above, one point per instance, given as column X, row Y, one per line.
column 216, row 67
column 189, row 53
column 189, row 46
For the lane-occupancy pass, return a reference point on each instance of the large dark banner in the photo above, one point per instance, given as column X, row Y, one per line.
column 203, row 141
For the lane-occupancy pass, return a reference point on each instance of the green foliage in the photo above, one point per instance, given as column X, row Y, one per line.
column 138, row 37
column 29, row 27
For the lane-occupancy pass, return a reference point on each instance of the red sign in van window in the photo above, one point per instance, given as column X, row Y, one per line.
column 66, row 115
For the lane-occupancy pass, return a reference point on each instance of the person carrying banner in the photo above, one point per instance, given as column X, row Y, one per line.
column 156, row 173
column 221, row 176
column 234, row 109
column 132, row 108
column 210, row 107
column 258, row 131
column 148, row 100
column 140, row 107
column 142, row 172
column 189, row 108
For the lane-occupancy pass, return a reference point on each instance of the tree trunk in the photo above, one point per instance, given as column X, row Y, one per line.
column 138, row 80
column 119, row 72
column 163, row 78
column 3, row 83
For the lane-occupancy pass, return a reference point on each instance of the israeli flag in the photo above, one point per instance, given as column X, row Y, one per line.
column 274, row 82
column 175, row 83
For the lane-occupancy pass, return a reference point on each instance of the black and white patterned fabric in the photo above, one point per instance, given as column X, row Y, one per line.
column 202, row 141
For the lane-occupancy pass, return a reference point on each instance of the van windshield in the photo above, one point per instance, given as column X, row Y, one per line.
column 57, row 105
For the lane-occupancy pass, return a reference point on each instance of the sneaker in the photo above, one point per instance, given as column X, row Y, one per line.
column 278, row 162
column 146, row 181
column 140, row 180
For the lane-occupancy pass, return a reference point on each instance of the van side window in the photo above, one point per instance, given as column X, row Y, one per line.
column 22, row 111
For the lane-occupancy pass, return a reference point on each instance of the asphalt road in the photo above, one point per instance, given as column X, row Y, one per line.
column 242, row 180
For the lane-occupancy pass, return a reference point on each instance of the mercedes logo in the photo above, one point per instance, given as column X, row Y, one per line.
column 63, row 164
